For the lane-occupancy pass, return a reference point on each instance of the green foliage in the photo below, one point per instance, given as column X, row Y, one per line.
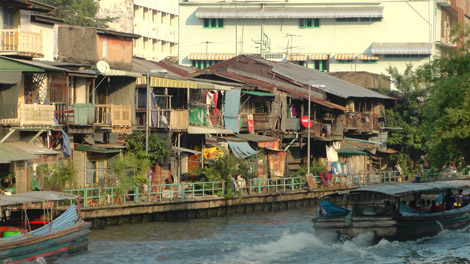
column 135, row 143
column 59, row 177
column 127, row 171
column 78, row 12
column 225, row 169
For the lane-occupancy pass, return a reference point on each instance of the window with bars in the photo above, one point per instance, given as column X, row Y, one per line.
column 321, row 65
column 214, row 23
column 358, row 19
column 309, row 23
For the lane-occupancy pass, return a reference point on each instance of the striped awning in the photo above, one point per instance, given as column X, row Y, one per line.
column 210, row 56
column 368, row 57
column 400, row 48
column 345, row 56
column 296, row 57
column 320, row 56
column 172, row 83
column 288, row 12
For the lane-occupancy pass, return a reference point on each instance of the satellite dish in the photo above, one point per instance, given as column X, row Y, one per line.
column 102, row 67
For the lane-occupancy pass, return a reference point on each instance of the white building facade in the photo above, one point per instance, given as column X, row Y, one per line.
column 155, row 21
column 334, row 35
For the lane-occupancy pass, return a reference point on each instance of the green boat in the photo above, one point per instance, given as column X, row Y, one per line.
column 33, row 226
column 395, row 211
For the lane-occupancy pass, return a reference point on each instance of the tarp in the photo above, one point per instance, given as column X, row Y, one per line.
column 241, row 149
column 232, row 107
column 9, row 91
column 65, row 145
column 277, row 163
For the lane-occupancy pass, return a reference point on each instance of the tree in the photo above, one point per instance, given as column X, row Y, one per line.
column 78, row 12
column 158, row 148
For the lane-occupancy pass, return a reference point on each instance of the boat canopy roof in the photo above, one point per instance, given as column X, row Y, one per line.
column 407, row 188
column 34, row 197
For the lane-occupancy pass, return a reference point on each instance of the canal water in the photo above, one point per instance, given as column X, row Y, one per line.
column 269, row 237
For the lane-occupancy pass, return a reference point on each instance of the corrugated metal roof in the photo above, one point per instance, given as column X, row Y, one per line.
column 144, row 66
column 9, row 154
column 32, row 149
column 241, row 149
column 256, row 138
column 322, row 81
column 398, row 48
column 288, row 12
column 35, row 64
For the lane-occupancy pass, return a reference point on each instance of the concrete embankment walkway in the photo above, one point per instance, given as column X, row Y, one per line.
column 200, row 208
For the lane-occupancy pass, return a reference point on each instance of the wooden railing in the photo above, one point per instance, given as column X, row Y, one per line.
column 15, row 40
column 118, row 117
column 32, row 115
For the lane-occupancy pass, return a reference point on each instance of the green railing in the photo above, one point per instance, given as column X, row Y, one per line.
column 190, row 191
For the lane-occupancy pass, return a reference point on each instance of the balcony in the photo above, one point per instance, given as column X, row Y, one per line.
column 16, row 41
column 117, row 117
column 32, row 115
column 175, row 120
column 363, row 122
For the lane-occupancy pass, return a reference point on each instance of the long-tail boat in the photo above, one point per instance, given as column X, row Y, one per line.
column 395, row 211
column 33, row 226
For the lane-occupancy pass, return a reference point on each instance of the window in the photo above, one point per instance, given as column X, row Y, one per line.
column 406, row 55
column 357, row 19
column 345, row 61
column 105, row 49
column 368, row 61
column 213, row 23
column 321, row 65
column 301, row 63
column 309, row 23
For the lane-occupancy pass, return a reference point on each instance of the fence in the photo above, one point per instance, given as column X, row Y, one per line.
column 102, row 196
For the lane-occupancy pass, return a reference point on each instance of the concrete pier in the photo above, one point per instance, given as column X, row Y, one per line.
column 199, row 208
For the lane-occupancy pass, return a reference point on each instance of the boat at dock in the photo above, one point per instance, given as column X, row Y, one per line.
column 33, row 226
column 393, row 211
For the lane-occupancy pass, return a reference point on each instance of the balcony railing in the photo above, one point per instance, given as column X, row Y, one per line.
column 116, row 116
column 16, row 40
column 77, row 114
column 29, row 115
column 362, row 121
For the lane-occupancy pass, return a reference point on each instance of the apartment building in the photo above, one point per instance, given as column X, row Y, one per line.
column 155, row 21
column 336, row 35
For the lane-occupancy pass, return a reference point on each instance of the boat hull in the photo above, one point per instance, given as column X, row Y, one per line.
column 31, row 247
column 393, row 228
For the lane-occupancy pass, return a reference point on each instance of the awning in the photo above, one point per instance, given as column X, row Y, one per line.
column 113, row 72
column 210, row 56
column 9, row 154
column 32, row 149
column 10, row 64
column 345, row 56
column 258, row 93
column 297, row 57
column 398, row 48
column 368, row 57
column 288, row 12
column 346, row 152
column 10, row 77
column 314, row 57
column 172, row 83
column 100, row 149
column 241, row 149
column 180, row 149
